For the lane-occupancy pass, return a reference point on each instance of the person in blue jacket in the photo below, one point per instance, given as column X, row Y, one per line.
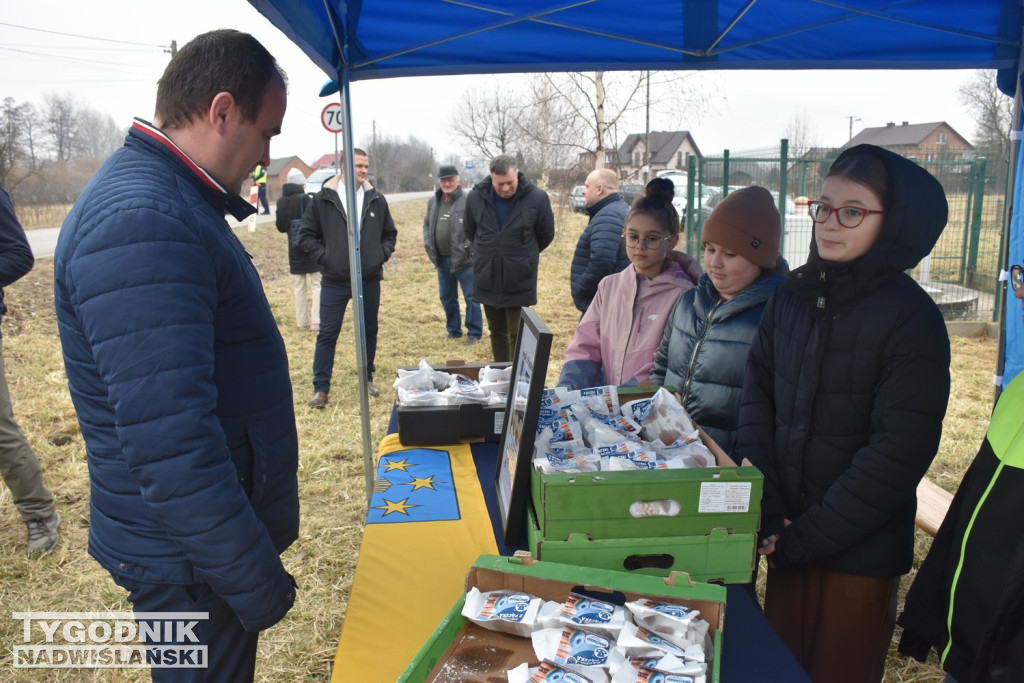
column 599, row 250
column 18, row 463
column 175, row 364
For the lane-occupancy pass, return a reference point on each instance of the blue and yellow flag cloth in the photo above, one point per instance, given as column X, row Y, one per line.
column 426, row 524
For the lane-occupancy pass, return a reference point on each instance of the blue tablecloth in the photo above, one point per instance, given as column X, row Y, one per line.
column 752, row 651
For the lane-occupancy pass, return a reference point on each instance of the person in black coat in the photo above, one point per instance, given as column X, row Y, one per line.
column 509, row 220
column 305, row 271
column 843, row 401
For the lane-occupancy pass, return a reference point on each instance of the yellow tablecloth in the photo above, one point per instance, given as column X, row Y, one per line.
column 427, row 523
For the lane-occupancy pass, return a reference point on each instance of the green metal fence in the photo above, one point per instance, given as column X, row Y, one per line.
column 962, row 271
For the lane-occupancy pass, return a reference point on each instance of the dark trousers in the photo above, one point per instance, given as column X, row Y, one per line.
column 334, row 298
column 839, row 626
column 262, row 198
column 448, row 283
column 231, row 650
column 503, row 324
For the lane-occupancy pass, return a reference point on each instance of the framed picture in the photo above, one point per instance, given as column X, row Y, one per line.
column 515, row 451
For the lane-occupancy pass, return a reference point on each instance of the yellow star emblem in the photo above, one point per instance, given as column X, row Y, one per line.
column 396, row 465
column 401, row 506
column 421, row 483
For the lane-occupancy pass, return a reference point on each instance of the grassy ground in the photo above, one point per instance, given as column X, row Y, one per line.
column 332, row 485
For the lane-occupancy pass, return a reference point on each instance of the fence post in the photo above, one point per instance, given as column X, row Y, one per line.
column 972, row 252
column 969, row 190
column 783, row 183
column 725, row 173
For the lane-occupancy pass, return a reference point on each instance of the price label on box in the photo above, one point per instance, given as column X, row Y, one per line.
column 724, row 497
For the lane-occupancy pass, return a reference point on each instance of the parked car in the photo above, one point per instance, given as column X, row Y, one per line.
column 630, row 191
column 317, row 179
column 576, row 200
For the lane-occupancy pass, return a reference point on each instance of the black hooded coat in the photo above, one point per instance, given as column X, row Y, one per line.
column 845, row 391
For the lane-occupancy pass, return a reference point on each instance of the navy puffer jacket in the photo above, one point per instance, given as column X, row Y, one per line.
column 180, row 380
column 599, row 251
column 704, row 352
column 846, row 388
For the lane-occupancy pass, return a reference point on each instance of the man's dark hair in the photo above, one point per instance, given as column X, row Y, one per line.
column 356, row 152
column 502, row 164
column 219, row 61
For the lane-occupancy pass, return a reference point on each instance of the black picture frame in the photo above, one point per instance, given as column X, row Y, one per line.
column 515, row 450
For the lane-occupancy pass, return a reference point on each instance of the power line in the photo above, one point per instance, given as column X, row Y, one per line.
column 76, row 35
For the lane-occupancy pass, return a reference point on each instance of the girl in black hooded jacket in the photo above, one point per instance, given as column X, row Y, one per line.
column 842, row 409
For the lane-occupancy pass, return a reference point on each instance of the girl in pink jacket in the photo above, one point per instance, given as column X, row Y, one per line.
column 618, row 336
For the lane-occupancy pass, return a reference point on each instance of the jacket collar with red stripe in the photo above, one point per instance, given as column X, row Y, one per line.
column 217, row 195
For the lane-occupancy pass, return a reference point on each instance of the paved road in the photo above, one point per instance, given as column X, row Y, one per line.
column 44, row 240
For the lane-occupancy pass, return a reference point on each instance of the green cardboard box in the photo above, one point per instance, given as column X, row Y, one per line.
column 462, row 651
column 601, row 505
column 720, row 555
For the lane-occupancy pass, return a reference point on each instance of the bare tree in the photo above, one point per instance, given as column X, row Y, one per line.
column 992, row 111
column 801, row 134
column 609, row 106
column 60, row 121
column 98, row 135
column 401, row 166
column 18, row 158
column 488, row 121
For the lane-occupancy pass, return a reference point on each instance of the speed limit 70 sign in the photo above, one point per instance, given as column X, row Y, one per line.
column 331, row 117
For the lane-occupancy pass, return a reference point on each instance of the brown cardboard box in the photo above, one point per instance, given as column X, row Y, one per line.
column 461, row 652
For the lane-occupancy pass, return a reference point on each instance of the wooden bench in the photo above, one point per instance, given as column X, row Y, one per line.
column 932, row 503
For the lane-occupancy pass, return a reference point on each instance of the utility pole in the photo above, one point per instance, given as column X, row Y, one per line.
column 647, row 134
column 852, row 119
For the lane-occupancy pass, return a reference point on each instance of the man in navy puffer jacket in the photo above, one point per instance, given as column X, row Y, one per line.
column 599, row 251
column 175, row 364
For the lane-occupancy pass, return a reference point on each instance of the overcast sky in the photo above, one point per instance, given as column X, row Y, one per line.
column 110, row 53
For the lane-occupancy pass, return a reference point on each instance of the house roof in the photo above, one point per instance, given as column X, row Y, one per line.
column 276, row 165
column 892, row 135
column 664, row 144
column 325, row 160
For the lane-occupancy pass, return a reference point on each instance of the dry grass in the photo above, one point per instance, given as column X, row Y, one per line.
column 332, row 485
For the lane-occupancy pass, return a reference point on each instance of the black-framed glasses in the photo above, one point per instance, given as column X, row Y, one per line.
column 651, row 242
column 1016, row 277
column 846, row 216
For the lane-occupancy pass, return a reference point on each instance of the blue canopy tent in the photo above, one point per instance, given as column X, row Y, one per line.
column 363, row 39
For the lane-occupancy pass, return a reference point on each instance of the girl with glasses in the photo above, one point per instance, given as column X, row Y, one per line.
column 703, row 353
column 843, row 400
column 617, row 337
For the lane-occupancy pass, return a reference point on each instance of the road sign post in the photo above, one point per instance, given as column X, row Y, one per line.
column 330, row 117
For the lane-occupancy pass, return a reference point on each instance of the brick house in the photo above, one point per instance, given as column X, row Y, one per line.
column 924, row 141
column 668, row 151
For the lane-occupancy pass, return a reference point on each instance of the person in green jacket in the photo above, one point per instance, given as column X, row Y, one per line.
column 967, row 600
column 259, row 177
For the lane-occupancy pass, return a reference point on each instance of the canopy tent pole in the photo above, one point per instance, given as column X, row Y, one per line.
column 1014, row 223
column 356, row 273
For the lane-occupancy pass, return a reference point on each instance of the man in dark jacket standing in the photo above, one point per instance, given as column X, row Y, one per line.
column 599, row 251
column 444, row 238
column 305, row 271
column 324, row 236
column 175, row 363
column 509, row 221
column 18, row 464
